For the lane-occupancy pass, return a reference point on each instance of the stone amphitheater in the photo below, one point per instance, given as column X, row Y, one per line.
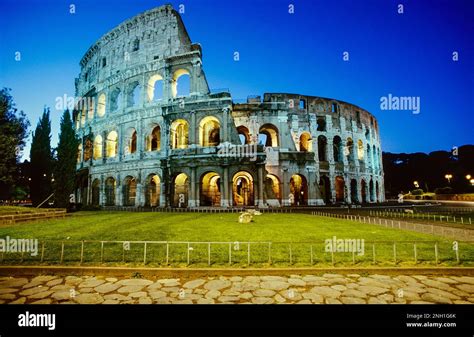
column 154, row 135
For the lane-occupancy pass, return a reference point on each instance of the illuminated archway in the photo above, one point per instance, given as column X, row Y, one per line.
column 153, row 140
column 178, row 87
column 129, row 191
column 210, row 190
column 179, row 134
column 130, row 141
column 152, row 191
column 180, row 190
column 298, row 190
column 360, row 150
column 111, row 144
column 98, row 147
column 306, row 144
column 155, row 88
column 339, row 186
column 244, row 134
column 209, row 129
column 272, row 188
column 101, row 105
column 270, row 135
column 242, row 189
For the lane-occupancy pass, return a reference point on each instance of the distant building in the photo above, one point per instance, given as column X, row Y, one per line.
column 146, row 143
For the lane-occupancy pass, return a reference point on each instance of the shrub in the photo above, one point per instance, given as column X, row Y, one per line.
column 418, row 191
column 444, row 190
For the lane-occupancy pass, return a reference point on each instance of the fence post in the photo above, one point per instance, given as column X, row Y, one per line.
column 414, row 252
column 269, row 253
column 102, row 252
column 436, row 252
column 457, row 253
column 291, row 256
column 167, row 253
column 311, row 253
column 353, row 257
column 332, row 254
column 248, row 253
column 82, row 252
column 394, row 253
column 22, row 255
column 230, row 253
column 144, row 253
column 62, row 252
column 187, row 256
column 123, row 252
column 208, row 253
column 42, row 252
column 373, row 253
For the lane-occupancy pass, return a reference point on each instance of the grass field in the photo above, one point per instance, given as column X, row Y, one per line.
column 304, row 233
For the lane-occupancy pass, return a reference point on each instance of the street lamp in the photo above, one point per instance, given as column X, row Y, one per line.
column 468, row 177
column 416, row 184
column 448, row 176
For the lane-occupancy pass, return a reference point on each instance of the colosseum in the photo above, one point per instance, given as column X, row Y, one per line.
column 154, row 135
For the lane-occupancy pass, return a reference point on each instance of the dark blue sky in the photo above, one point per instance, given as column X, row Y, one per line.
column 406, row 54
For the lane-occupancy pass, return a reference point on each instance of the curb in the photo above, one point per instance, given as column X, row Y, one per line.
column 193, row 272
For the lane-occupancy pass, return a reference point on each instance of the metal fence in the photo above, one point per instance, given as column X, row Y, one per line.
column 461, row 234
column 258, row 253
column 424, row 216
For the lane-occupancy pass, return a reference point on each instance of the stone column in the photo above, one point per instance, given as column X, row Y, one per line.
column 162, row 194
column 102, row 191
column 225, row 188
column 118, row 192
column 286, row 188
column 260, row 202
column 225, row 131
column 192, row 136
column 192, row 200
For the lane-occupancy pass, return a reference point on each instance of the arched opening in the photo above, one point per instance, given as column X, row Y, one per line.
column 116, row 100
column 298, row 190
column 133, row 95
column 354, row 195
column 210, row 190
column 110, row 191
column 360, row 150
column 242, row 189
column 180, row 190
column 321, row 124
column 363, row 190
column 130, row 141
column 101, row 105
column 83, row 115
column 209, row 129
column 90, row 107
column 306, row 142
column 339, row 189
column 244, row 134
column 96, row 192
column 153, row 140
column 325, row 189
column 79, row 153
column 268, row 135
column 129, row 191
column 377, row 197
column 371, row 191
column 337, row 149
column 350, row 150
column 155, row 88
column 98, row 147
column 111, row 144
column 369, row 157
column 88, row 149
column 322, row 148
column 272, row 190
column 181, row 83
column 152, row 191
column 179, row 134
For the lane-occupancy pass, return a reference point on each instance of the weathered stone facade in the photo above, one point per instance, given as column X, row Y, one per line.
column 146, row 144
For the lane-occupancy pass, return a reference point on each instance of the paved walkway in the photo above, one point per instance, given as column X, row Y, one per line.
column 303, row 289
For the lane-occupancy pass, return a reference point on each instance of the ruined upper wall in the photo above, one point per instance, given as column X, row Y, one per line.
column 159, row 33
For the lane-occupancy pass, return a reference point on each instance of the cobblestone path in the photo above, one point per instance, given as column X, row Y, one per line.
column 303, row 289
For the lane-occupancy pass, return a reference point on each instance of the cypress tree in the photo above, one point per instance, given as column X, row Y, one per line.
column 65, row 168
column 41, row 160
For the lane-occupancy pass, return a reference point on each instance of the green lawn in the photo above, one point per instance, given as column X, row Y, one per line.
column 9, row 210
column 304, row 232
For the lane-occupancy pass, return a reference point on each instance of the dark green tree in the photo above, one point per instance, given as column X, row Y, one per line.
column 41, row 160
column 66, row 158
column 13, row 134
